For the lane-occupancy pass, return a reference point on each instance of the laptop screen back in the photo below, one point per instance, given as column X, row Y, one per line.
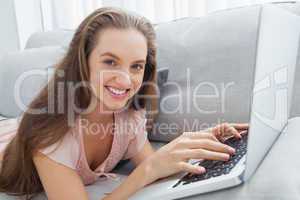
column 276, row 58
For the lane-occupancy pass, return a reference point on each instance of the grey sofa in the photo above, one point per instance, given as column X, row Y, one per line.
column 218, row 49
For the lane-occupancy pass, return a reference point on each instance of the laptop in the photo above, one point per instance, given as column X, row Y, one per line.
column 276, row 58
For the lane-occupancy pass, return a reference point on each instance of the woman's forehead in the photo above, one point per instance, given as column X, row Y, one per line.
column 122, row 42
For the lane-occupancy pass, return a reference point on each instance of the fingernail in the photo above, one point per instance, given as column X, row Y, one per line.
column 227, row 157
column 201, row 170
column 232, row 150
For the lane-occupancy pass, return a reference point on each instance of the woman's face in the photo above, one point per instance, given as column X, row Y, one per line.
column 117, row 65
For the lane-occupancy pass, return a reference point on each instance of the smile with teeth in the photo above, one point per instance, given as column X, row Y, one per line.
column 117, row 92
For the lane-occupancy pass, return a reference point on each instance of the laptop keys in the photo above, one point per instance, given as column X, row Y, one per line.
column 217, row 168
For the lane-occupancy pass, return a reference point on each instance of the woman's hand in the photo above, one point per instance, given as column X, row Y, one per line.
column 173, row 157
column 227, row 130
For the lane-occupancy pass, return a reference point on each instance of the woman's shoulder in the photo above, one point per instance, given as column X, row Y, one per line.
column 137, row 131
column 133, row 121
column 135, row 117
column 66, row 151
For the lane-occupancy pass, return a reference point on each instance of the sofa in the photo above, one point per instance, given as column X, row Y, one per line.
column 218, row 49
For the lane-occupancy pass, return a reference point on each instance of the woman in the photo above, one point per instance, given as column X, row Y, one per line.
column 102, row 80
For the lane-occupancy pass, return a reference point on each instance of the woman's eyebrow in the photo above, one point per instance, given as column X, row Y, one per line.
column 110, row 54
column 140, row 61
column 116, row 57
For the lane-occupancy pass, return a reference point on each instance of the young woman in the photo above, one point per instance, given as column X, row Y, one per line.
column 103, row 81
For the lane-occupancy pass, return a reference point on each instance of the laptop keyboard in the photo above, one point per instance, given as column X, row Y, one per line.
column 217, row 168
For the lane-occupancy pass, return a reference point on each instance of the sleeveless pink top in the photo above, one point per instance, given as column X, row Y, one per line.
column 129, row 138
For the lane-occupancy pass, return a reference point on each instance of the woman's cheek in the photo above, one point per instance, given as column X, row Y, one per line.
column 98, row 82
column 137, row 86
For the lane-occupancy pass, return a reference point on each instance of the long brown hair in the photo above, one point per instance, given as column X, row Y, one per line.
column 18, row 174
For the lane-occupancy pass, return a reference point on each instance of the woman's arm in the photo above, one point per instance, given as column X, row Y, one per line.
column 172, row 158
column 59, row 181
column 139, row 178
column 146, row 152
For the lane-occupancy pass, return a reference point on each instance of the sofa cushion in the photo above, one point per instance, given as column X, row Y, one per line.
column 27, row 71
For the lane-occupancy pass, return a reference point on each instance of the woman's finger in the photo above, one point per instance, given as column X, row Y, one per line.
column 240, row 126
column 225, row 130
column 209, row 145
column 216, row 131
column 204, row 154
column 244, row 132
column 200, row 135
column 187, row 167
column 230, row 130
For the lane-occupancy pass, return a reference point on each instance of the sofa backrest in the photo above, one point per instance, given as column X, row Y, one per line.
column 211, row 62
column 23, row 74
column 49, row 38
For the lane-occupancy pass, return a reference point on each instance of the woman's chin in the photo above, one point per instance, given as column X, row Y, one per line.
column 114, row 106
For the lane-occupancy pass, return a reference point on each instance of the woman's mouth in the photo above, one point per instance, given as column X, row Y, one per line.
column 117, row 93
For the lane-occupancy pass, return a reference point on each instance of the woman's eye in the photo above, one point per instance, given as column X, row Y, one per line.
column 138, row 66
column 110, row 62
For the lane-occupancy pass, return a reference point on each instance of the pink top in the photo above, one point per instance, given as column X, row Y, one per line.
column 129, row 138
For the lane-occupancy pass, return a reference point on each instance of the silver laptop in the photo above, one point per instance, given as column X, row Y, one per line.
column 276, row 58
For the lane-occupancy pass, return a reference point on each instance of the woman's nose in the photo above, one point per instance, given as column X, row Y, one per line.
column 123, row 79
